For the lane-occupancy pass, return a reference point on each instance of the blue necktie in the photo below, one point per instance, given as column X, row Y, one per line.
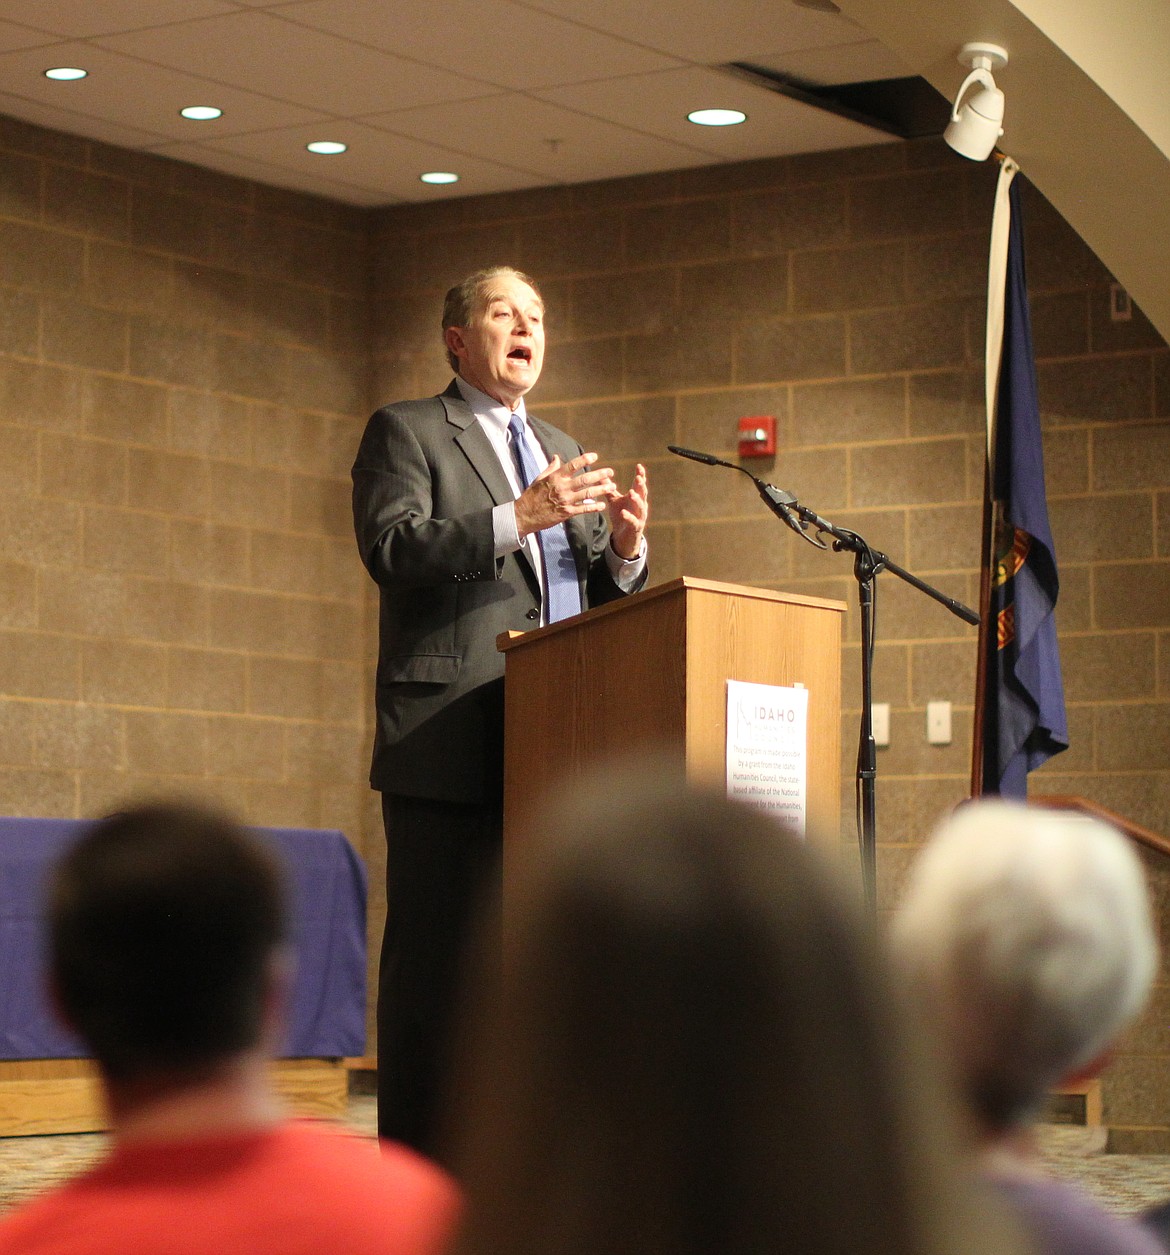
column 562, row 590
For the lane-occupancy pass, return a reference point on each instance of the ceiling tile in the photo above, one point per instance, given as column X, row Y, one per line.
column 497, row 40
column 13, row 37
column 563, row 145
column 57, row 119
column 775, row 125
column 274, row 175
column 260, row 53
column 378, row 159
column 509, row 93
column 707, row 33
column 129, row 92
column 859, row 62
column 82, row 19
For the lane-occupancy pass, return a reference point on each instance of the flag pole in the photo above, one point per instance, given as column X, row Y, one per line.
column 985, row 616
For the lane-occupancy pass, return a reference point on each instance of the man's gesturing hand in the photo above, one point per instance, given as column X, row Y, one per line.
column 628, row 514
column 560, row 491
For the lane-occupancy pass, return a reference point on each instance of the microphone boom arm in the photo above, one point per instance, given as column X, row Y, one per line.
column 867, row 562
column 799, row 517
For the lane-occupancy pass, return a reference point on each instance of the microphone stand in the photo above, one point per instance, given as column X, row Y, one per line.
column 867, row 564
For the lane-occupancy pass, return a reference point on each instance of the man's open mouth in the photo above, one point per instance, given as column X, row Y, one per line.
column 521, row 355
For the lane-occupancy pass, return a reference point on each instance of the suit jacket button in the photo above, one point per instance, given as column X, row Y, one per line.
column 532, row 614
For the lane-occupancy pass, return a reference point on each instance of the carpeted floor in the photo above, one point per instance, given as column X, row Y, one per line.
column 1123, row 1183
column 29, row 1165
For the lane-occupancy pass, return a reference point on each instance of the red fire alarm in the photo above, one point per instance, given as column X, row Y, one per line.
column 757, row 436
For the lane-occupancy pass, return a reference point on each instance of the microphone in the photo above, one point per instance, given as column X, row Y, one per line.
column 696, row 456
column 776, row 499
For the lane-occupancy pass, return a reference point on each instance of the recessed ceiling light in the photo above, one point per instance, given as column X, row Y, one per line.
column 326, row 147
column 716, row 117
column 201, row 113
column 439, row 176
column 65, row 73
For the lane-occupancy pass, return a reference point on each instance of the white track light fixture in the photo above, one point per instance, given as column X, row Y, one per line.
column 977, row 123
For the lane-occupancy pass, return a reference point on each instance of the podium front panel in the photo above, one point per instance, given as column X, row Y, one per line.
column 648, row 674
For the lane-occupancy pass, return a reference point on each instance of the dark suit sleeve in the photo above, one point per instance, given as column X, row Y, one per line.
column 401, row 541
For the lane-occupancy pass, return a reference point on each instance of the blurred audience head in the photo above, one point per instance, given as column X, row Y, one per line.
column 165, row 920
column 1026, row 935
column 692, row 1047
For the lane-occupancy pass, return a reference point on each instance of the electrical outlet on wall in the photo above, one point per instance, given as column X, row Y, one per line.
column 1120, row 306
column 938, row 723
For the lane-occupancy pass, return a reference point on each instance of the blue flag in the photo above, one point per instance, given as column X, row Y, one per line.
column 1024, row 720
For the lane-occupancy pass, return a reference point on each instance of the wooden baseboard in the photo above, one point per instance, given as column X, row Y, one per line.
column 312, row 1087
column 1138, row 1140
column 49, row 1096
column 1090, row 1091
column 39, row 1096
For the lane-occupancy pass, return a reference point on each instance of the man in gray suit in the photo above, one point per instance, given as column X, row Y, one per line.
column 474, row 518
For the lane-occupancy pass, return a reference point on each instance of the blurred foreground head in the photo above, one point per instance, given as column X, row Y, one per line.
column 1026, row 934
column 164, row 923
column 693, row 1048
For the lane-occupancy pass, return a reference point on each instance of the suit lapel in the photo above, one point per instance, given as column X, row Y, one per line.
column 477, row 448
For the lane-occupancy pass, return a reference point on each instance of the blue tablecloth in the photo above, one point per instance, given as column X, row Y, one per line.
column 327, row 882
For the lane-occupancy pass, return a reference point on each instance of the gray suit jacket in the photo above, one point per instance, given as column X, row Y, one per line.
column 424, row 484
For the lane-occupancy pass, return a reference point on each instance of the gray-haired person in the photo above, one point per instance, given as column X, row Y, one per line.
column 1026, row 934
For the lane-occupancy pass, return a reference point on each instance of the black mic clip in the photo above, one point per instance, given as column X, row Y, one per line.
column 780, row 503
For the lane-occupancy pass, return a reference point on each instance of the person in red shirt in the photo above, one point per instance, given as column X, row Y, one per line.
column 168, row 958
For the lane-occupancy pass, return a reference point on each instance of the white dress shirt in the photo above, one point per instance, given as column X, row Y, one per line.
column 493, row 418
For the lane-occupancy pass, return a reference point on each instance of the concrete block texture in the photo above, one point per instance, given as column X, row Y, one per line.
column 183, row 374
column 187, row 360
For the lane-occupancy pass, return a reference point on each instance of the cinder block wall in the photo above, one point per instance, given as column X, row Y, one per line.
column 183, row 377
column 844, row 294
column 186, row 361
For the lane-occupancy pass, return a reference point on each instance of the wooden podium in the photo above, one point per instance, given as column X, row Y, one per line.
column 649, row 672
